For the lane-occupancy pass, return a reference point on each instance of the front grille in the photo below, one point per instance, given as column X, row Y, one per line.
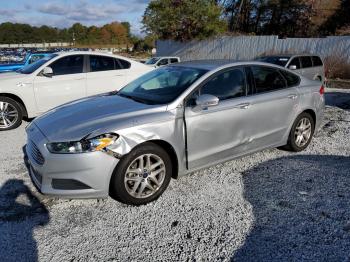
column 35, row 154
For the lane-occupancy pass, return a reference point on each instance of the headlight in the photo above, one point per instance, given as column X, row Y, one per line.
column 95, row 144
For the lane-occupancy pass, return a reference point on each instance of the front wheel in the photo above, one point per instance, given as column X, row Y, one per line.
column 301, row 133
column 10, row 114
column 142, row 175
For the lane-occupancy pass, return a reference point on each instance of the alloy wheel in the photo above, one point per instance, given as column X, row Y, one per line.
column 144, row 176
column 302, row 132
column 8, row 115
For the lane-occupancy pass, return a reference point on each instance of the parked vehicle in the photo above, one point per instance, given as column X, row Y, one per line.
column 29, row 59
column 162, row 61
column 171, row 121
column 310, row 66
column 60, row 78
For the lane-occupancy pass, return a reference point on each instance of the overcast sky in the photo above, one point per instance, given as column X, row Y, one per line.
column 64, row 13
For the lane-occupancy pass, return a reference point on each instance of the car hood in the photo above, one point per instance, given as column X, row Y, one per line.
column 90, row 117
column 11, row 75
column 10, row 66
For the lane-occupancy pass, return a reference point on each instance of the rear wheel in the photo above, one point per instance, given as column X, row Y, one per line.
column 10, row 114
column 301, row 133
column 141, row 176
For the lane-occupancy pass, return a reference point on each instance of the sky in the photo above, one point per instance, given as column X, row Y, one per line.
column 64, row 13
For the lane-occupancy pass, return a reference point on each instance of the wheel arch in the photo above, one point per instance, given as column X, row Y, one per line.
column 312, row 113
column 172, row 154
column 18, row 100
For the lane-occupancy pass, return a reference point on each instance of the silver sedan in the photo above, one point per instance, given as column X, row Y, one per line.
column 169, row 122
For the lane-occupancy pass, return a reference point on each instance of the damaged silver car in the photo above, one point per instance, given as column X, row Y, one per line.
column 169, row 122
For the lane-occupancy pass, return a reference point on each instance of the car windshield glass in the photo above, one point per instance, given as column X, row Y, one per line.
column 34, row 66
column 277, row 60
column 161, row 86
column 152, row 61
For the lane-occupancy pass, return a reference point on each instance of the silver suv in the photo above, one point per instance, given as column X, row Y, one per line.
column 171, row 121
column 310, row 66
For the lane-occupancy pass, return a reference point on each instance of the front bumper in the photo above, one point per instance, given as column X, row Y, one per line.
column 84, row 175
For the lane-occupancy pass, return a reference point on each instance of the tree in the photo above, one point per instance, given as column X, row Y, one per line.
column 183, row 19
column 339, row 21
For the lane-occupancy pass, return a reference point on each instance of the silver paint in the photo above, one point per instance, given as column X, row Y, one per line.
column 231, row 129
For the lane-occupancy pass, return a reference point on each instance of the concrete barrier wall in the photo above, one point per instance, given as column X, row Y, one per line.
column 249, row 47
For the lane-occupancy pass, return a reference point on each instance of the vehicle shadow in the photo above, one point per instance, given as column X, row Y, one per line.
column 338, row 99
column 301, row 207
column 20, row 213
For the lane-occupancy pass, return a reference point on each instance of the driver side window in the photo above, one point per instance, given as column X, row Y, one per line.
column 163, row 62
column 226, row 85
column 67, row 65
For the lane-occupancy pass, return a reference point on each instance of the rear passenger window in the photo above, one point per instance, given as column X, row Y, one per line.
column 173, row 60
column 295, row 62
column 101, row 63
column 292, row 79
column 316, row 61
column 226, row 85
column 267, row 79
column 124, row 64
column 306, row 61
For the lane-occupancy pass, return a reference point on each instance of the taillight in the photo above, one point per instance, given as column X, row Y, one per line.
column 322, row 90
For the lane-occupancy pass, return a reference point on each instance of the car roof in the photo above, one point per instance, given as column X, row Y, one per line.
column 290, row 55
column 64, row 53
column 217, row 63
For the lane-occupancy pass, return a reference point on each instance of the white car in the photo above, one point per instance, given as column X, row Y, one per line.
column 60, row 78
column 162, row 61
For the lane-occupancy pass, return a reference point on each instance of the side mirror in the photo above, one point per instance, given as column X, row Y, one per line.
column 292, row 67
column 204, row 101
column 47, row 71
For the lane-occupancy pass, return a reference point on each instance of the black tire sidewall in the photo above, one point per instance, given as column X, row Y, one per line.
column 117, row 186
column 19, row 110
column 291, row 142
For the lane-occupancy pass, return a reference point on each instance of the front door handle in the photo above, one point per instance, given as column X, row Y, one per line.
column 83, row 78
column 294, row 96
column 243, row 106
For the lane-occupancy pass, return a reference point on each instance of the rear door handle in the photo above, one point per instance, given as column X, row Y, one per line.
column 292, row 96
column 80, row 78
column 243, row 106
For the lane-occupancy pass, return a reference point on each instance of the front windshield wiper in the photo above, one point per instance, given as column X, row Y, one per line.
column 136, row 99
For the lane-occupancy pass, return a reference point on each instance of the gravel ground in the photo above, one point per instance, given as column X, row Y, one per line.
column 269, row 206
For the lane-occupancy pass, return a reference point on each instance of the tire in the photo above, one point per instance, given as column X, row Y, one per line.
column 298, row 142
column 133, row 185
column 11, row 114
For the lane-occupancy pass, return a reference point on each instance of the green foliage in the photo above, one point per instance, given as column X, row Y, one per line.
column 113, row 33
column 183, row 19
column 144, row 44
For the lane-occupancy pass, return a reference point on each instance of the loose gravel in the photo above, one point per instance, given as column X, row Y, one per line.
column 270, row 206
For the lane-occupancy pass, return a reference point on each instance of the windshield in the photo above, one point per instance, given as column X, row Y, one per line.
column 152, row 61
column 34, row 66
column 161, row 86
column 277, row 60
